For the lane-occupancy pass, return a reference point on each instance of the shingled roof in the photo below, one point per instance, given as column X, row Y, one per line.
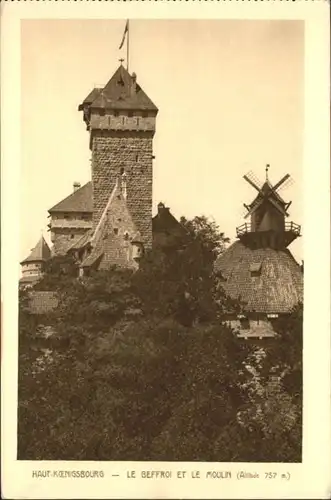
column 40, row 253
column 80, row 200
column 90, row 98
column 109, row 245
column 121, row 92
column 82, row 241
column 266, row 280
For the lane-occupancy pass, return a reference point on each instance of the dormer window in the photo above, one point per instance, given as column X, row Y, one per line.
column 255, row 269
column 137, row 250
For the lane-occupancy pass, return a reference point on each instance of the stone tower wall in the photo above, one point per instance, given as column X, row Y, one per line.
column 130, row 151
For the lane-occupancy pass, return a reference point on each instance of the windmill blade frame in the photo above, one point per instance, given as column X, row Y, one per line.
column 279, row 183
column 252, row 183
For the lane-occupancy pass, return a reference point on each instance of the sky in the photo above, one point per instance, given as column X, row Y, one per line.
column 230, row 96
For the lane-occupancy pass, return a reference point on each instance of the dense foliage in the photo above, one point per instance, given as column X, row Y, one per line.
column 139, row 366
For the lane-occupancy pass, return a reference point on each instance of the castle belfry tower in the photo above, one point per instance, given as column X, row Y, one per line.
column 121, row 120
column 258, row 269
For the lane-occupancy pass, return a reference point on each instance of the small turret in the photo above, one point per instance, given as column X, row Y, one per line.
column 33, row 265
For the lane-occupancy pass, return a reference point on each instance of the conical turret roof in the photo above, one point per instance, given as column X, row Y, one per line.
column 41, row 252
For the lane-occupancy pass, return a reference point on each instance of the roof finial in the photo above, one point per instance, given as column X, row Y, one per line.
column 121, row 61
column 266, row 172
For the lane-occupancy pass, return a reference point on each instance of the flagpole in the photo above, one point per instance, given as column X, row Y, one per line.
column 128, row 47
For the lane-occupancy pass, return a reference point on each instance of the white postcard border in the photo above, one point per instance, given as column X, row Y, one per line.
column 308, row 480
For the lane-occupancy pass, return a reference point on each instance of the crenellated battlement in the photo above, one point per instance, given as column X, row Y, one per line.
column 124, row 120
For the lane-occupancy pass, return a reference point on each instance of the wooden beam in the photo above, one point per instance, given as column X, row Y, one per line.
column 252, row 184
column 279, row 183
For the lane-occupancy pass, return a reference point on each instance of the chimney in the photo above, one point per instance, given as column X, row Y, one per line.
column 161, row 208
column 133, row 84
column 76, row 186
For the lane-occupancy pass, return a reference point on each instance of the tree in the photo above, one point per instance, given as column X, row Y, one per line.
column 208, row 233
column 273, row 416
column 180, row 281
column 58, row 271
column 136, row 390
column 138, row 366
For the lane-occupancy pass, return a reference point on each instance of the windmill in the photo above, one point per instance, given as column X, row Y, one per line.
column 267, row 213
column 265, row 190
column 258, row 268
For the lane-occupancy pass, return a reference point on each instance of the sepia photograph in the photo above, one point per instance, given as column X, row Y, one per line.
column 161, row 240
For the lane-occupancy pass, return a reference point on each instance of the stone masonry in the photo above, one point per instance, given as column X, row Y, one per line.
column 63, row 239
column 121, row 120
column 115, row 152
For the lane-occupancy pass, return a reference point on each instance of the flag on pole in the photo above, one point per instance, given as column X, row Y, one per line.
column 126, row 29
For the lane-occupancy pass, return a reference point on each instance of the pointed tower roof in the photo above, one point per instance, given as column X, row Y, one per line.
column 107, row 238
column 121, row 92
column 41, row 252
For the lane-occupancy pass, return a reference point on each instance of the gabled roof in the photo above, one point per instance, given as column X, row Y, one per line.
column 273, row 198
column 40, row 253
column 121, row 92
column 78, row 201
column 82, row 241
column 266, row 188
column 109, row 246
column 164, row 221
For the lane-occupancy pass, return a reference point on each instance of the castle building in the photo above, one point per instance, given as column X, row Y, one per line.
column 121, row 121
column 259, row 269
column 108, row 221
column 71, row 218
column 33, row 265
